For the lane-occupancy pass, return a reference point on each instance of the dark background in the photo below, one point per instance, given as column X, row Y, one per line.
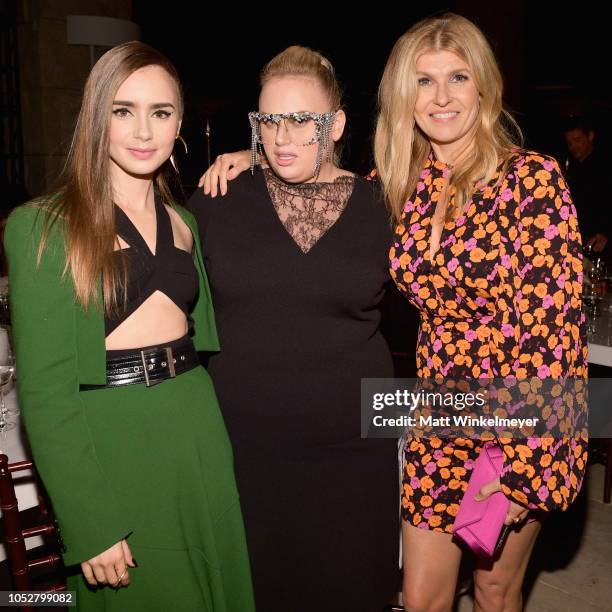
column 555, row 60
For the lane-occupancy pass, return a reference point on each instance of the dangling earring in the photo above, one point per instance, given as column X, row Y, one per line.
column 324, row 150
column 255, row 141
column 182, row 140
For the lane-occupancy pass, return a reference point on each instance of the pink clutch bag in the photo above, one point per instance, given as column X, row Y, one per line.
column 479, row 523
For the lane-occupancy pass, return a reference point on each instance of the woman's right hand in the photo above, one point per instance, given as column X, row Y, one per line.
column 226, row 168
column 110, row 567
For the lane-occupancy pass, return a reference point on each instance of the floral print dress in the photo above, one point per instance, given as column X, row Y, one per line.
column 501, row 297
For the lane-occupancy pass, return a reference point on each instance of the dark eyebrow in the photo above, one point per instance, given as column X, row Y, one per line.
column 162, row 105
column 153, row 106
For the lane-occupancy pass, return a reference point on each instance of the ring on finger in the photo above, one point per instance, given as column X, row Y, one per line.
column 122, row 575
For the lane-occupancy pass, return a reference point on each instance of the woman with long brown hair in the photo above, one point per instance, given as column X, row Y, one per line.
column 110, row 302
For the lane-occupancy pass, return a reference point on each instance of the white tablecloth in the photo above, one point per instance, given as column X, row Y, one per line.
column 13, row 443
column 600, row 342
column 600, row 354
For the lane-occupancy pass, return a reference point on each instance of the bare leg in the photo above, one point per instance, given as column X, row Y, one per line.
column 498, row 584
column 431, row 564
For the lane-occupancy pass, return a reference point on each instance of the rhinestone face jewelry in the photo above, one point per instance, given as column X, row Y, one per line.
column 292, row 120
column 296, row 126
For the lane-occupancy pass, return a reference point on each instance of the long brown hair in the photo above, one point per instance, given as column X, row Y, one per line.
column 400, row 148
column 84, row 201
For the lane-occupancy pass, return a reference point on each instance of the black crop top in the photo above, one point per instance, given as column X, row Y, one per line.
column 171, row 270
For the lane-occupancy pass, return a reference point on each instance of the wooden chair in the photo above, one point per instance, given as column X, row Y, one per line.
column 14, row 535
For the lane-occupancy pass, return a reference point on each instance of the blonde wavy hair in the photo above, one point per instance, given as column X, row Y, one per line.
column 401, row 148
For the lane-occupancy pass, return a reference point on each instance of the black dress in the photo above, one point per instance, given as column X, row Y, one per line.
column 298, row 330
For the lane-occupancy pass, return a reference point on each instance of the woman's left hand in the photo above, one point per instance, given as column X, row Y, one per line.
column 516, row 513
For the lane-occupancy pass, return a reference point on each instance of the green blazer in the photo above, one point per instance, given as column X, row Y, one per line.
column 58, row 347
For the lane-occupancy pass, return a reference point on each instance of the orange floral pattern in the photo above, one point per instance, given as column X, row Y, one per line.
column 501, row 297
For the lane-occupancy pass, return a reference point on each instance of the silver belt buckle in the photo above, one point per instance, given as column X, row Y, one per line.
column 144, row 368
column 171, row 361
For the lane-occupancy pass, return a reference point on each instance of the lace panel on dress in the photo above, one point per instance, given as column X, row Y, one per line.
column 308, row 210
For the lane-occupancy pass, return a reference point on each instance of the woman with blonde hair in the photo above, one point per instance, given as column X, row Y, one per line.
column 487, row 247
column 297, row 263
column 109, row 303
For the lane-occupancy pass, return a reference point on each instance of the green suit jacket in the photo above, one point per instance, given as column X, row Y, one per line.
column 58, row 347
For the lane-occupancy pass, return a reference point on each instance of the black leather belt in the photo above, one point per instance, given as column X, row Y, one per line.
column 150, row 366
